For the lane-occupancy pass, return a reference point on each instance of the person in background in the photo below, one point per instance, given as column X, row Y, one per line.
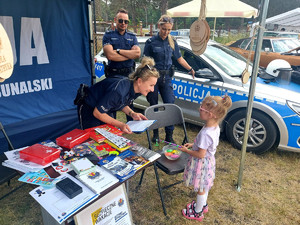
column 120, row 48
column 200, row 169
column 162, row 47
column 113, row 94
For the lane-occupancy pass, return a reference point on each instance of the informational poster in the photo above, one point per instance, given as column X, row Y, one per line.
column 111, row 209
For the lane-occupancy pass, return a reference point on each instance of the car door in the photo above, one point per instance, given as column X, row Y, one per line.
column 190, row 92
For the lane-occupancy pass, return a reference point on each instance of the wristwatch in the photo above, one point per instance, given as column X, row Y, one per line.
column 118, row 51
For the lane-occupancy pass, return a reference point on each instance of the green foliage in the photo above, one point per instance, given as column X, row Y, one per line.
column 226, row 40
column 149, row 12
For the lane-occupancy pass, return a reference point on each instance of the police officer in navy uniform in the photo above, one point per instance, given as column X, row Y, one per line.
column 120, row 47
column 162, row 47
column 113, row 94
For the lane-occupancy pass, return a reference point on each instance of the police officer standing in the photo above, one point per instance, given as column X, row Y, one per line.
column 162, row 47
column 120, row 47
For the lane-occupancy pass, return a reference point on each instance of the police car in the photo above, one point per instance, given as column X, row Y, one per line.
column 276, row 108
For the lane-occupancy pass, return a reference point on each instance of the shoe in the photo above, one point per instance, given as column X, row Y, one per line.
column 155, row 137
column 191, row 214
column 169, row 137
column 205, row 209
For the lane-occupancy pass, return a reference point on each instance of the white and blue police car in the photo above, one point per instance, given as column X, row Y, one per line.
column 275, row 119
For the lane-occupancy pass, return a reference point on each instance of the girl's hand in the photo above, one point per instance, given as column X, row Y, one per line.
column 183, row 149
column 188, row 145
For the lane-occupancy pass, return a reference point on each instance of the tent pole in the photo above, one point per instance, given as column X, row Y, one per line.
column 252, row 89
column 92, row 55
column 215, row 21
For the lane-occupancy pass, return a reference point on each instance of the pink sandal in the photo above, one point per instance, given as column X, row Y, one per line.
column 190, row 213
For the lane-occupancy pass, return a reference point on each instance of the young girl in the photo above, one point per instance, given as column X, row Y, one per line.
column 200, row 169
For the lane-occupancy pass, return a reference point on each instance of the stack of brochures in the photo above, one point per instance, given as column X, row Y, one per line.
column 15, row 162
column 145, row 152
column 137, row 161
column 94, row 177
column 118, row 167
column 98, row 179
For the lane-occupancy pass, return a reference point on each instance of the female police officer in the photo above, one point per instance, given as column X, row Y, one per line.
column 161, row 47
column 113, row 94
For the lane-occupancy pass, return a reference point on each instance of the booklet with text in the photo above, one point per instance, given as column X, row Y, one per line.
column 140, row 125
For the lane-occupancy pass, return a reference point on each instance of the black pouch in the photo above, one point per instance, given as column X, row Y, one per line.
column 172, row 71
column 69, row 187
column 81, row 94
column 106, row 69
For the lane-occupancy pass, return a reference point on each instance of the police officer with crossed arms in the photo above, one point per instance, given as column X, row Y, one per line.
column 120, row 47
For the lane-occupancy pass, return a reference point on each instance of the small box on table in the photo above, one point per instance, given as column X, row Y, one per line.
column 40, row 154
column 72, row 138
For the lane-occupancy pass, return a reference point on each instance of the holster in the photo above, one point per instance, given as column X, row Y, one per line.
column 82, row 93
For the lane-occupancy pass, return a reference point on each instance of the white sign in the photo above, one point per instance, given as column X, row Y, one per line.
column 6, row 56
column 111, row 209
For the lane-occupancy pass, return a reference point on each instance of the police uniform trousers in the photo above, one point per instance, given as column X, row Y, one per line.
column 165, row 88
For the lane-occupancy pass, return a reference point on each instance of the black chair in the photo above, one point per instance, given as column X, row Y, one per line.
column 6, row 174
column 166, row 115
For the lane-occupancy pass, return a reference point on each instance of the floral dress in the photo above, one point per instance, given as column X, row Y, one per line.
column 200, row 172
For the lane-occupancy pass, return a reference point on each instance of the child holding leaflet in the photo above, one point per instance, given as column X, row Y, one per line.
column 200, row 169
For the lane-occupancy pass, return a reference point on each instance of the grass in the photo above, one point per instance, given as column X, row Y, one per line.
column 270, row 192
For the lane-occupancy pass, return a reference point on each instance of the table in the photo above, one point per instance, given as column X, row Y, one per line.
column 49, row 220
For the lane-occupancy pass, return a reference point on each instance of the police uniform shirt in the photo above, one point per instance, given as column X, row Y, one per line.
column 111, row 94
column 118, row 41
column 161, row 51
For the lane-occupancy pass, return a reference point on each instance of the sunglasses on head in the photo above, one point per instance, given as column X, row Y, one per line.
column 121, row 21
column 167, row 20
column 148, row 68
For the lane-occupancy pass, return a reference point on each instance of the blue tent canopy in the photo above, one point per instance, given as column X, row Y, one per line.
column 52, row 56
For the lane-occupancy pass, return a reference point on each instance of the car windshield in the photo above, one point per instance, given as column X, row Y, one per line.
column 285, row 45
column 227, row 60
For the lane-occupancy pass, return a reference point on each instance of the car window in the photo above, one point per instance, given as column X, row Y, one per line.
column 266, row 44
column 226, row 59
column 142, row 46
column 288, row 35
column 193, row 60
column 244, row 44
column 284, row 45
column 254, row 45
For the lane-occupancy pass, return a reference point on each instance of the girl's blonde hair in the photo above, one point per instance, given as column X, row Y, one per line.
column 217, row 105
column 145, row 70
column 167, row 19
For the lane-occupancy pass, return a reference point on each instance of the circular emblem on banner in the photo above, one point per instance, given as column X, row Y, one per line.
column 6, row 56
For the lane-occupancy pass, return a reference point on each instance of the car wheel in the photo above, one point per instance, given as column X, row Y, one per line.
column 262, row 131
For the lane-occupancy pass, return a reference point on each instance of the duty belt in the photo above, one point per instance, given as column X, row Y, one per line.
column 164, row 72
column 120, row 71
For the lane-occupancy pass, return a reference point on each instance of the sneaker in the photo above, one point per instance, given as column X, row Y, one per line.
column 191, row 214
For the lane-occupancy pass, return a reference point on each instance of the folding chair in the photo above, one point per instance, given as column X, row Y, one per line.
column 166, row 115
column 6, row 174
